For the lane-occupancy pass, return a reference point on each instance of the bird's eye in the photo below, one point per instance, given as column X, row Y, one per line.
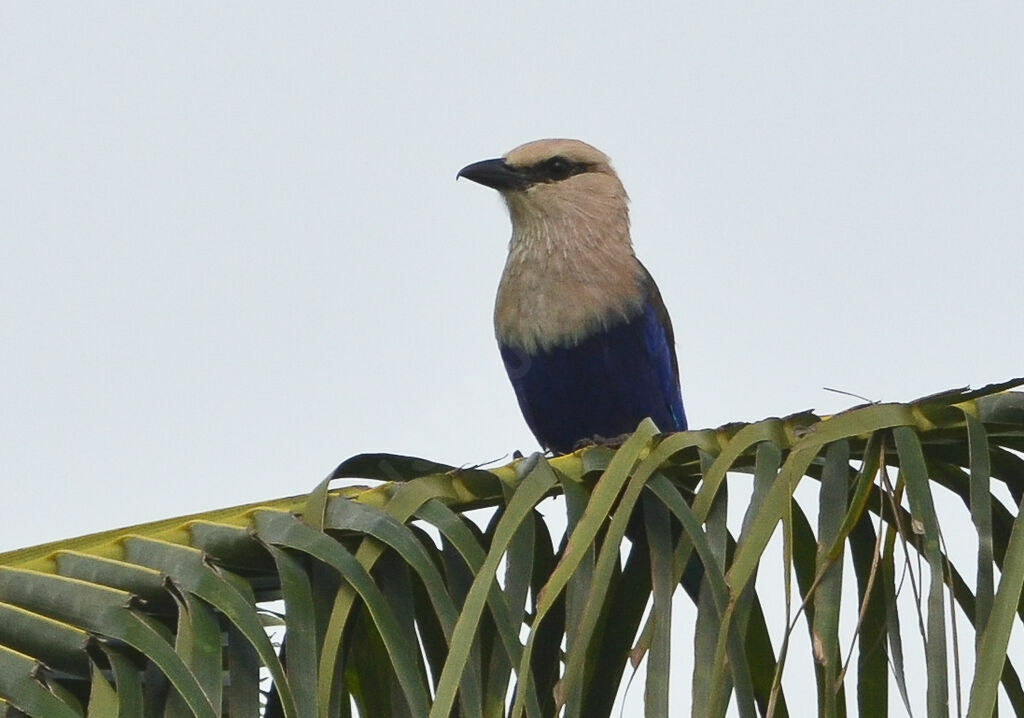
column 558, row 168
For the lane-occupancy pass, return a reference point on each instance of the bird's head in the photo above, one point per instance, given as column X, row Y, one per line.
column 551, row 182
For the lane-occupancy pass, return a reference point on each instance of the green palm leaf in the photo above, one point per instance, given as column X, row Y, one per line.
column 396, row 602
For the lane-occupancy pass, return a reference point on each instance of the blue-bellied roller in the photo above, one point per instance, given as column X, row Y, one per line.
column 581, row 326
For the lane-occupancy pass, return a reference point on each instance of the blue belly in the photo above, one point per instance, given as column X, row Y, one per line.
column 602, row 387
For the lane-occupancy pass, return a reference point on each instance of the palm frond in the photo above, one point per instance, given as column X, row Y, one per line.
column 398, row 599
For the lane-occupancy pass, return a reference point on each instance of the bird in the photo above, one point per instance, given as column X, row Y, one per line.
column 582, row 329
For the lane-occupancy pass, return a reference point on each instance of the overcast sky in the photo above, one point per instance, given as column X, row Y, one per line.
column 233, row 251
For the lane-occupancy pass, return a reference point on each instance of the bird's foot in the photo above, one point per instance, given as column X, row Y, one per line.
column 613, row 442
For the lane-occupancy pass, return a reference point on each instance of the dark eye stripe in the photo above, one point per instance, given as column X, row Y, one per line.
column 556, row 169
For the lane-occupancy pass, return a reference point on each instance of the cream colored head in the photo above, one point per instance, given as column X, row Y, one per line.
column 555, row 180
column 571, row 180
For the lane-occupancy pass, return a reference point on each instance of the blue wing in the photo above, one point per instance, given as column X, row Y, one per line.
column 604, row 385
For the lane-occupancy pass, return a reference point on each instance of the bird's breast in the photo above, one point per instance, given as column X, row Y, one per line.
column 558, row 301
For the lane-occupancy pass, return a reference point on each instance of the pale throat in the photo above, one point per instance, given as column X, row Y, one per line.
column 565, row 279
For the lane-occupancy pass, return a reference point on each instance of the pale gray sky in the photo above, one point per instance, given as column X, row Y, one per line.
column 233, row 252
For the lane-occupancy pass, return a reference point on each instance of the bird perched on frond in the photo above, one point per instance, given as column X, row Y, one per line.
column 583, row 332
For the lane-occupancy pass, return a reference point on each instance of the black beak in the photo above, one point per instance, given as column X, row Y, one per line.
column 496, row 174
